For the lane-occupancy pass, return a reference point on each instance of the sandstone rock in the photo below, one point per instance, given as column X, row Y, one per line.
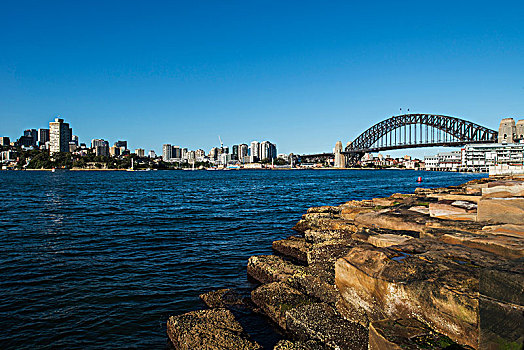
column 222, row 298
column 329, row 251
column 504, row 210
column 516, row 231
column 505, row 246
column 318, row 282
column 432, row 281
column 460, row 197
column 501, row 317
column 208, row 329
column 322, row 323
column 504, row 189
column 271, row 268
column 406, row 334
column 393, row 219
column 385, row 202
column 318, row 236
column 453, row 210
column 387, row 240
column 294, row 247
column 277, row 298
column 349, row 213
column 420, row 209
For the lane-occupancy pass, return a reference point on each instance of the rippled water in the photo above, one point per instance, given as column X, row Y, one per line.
column 101, row 259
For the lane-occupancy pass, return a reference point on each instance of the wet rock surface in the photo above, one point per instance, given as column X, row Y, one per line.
column 437, row 269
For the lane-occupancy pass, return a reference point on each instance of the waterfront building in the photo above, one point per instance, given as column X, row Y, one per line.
column 42, row 137
column 140, row 152
column 59, row 136
column 8, row 156
column 445, row 161
column 254, row 151
column 167, row 152
column 184, row 153
column 5, row 141
column 152, row 154
column 481, row 157
column 225, row 158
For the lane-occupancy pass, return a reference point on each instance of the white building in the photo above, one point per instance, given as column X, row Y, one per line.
column 167, row 152
column 59, row 136
column 481, row 156
column 140, row 152
column 254, row 151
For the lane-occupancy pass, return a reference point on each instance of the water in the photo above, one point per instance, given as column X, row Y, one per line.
column 102, row 259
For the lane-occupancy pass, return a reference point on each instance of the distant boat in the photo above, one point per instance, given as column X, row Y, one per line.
column 132, row 165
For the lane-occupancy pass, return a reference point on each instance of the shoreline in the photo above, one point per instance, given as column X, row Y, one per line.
column 365, row 274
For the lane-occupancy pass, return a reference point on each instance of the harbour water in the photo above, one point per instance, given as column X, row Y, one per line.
column 102, row 259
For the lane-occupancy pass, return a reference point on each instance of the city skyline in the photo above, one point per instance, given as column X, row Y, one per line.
column 304, row 76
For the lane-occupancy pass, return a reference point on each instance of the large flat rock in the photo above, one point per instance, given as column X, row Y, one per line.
column 208, row 329
column 322, row 323
column 501, row 210
column 401, row 219
column 504, row 189
column 432, row 281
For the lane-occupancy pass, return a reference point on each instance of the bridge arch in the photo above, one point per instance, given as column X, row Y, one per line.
column 462, row 131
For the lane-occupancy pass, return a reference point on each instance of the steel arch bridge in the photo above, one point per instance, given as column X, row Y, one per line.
column 420, row 130
column 413, row 131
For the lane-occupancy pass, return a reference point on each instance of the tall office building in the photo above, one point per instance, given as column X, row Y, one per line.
column 167, row 152
column 234, row 152
column 140, row 152
column 101, row 147
column 243, row 152
column 121, row 144
column 254, row 151
column 59, row 136
column 31, row 134
column 177, row 152
column 43, row 136
column 268, row 150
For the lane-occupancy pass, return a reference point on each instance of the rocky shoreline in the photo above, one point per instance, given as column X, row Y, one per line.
column 438, row 269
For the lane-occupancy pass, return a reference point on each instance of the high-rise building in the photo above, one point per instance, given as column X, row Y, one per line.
column 184, row 153
column 200, row 155
column 114, row 151
column 140, row 152
column 267, row 150
column 75, row 139
column 99, row 142
column 520, row 130
column 177, row 152
column 152, row 154
column 31, row 134
column 213, row 154
column 59, row 136
column 234, row 152
column 167, row 152
column 121, row 144
column 243, row 151
column 43, row 136
column 254, row 151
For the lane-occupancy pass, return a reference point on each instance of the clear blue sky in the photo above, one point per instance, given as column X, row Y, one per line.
column 302, row 74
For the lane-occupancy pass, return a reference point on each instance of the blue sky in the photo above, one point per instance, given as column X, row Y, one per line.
column 302, row 74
